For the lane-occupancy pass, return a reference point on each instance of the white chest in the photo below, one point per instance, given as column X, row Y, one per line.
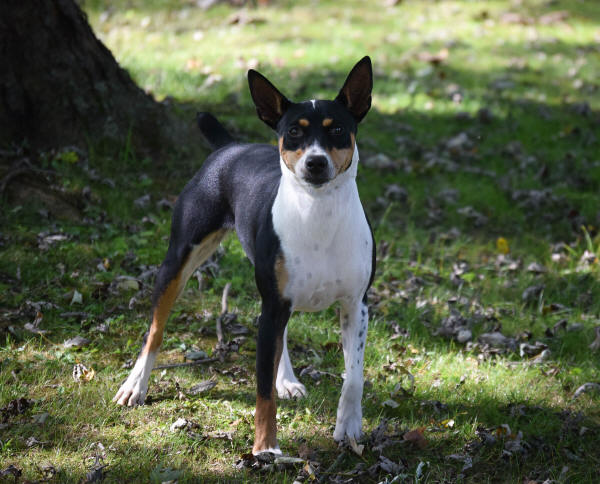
column 326, row 243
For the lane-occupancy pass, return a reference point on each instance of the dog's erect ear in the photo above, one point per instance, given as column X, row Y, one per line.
column 270, row 103
column 356, row 93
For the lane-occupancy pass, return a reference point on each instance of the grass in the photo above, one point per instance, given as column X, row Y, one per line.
column 538, row 81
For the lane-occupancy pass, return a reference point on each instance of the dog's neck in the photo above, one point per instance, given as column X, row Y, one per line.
column 303, row 211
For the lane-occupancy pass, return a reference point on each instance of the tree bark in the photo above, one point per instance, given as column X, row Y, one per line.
column 59, row 85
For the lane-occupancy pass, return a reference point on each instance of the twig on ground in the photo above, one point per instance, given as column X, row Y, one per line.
column 223, row 313
column 187, row 363
column 325, row 476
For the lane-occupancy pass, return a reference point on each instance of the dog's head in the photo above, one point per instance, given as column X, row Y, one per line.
column 316, row 138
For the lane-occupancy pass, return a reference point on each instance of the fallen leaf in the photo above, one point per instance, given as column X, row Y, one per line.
column 40, row 419
column 531, row 350
column 77, row 297
column 542, row 357
column 11, row 470
column 596, row 343
column 81, row 373
column 15, row 407
column 416, row 437
column 448, row 423
column 202, row 387
column 532, row 293
column 465, row 459
column 586, row 387
column 502, row 245
column 165, row 475
column 420, row 470
column 179, row 424
column 497, row 340
column 357, row 449
column 288, row 460
column 48, row 471
column 193, row 355
column 76, row 342
column 33, row 442
column 536, row 268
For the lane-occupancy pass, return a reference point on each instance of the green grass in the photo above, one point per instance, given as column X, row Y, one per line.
column 533, row 77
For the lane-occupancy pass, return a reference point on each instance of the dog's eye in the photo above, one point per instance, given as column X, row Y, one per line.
column 337, row 130
column 295, row 132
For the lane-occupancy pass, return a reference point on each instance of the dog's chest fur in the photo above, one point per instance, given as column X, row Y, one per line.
column 325, row 240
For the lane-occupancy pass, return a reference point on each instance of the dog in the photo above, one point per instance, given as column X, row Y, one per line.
column 299, row 219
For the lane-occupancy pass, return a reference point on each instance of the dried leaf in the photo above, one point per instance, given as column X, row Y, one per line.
column 15, row 407
column 448, row 423
column 357, row 449
column 40, row 419
column 202, row 387
column 33, row 442
column 596, row 343
column 416, row 437
column 81, row 373
column 288, row 460
column 502, row 245
column 586, row 387
column 179, row 424
column 194, row 355
column 532, row 293
column 11, row 470
column 76, row 342
column 34, row 326
column 536, row 268
column 77, row 297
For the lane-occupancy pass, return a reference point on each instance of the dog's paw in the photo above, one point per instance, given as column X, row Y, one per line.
column 132, row 392
column 276, row 451
column 287, row 388
column 348, row 425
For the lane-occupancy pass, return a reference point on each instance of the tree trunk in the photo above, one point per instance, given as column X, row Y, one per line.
column 59, row 85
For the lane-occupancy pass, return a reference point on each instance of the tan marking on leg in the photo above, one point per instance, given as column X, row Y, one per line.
column 327, row 122
column 195, row 258
column 161, row 314
column 290, row 158
column 342, row 158
column 281, row 274
column 265, row 417
column 303, row 122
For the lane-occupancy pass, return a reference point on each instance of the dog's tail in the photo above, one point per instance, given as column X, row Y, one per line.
column 214, row 132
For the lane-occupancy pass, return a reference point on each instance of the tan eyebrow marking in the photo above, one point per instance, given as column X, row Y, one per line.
column 327, row 122
column 303, row 122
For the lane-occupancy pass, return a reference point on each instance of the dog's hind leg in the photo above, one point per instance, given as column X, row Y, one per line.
column 181, row 261
column 287, row 384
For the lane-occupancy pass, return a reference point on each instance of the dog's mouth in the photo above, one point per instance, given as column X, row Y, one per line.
column 317, row 181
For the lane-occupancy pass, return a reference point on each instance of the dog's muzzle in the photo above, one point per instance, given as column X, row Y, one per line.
column 317, row 169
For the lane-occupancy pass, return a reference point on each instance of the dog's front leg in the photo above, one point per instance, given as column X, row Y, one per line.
column 269, row 345
column 353, row 319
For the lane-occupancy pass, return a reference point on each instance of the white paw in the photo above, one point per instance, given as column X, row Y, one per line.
column 132, row 392
column 350, row 425
column 287, row 388
column 273, row 450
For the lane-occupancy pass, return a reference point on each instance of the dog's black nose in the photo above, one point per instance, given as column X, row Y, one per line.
column 316, row 164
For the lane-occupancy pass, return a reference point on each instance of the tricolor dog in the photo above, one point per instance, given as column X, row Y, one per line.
column 298, row 216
